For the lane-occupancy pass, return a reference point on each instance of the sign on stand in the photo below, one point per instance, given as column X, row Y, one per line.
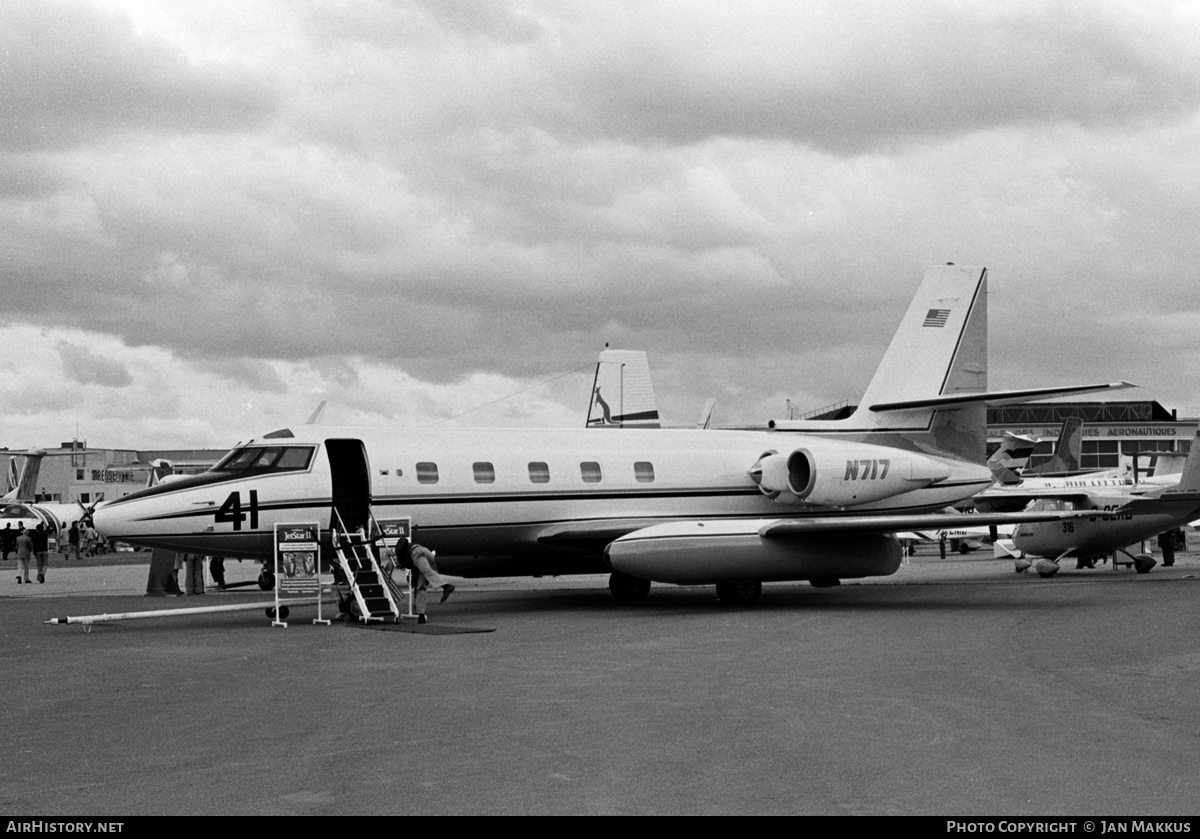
column 393, row 531
column 297, row 567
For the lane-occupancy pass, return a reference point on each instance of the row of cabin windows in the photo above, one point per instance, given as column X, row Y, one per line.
column 539, row 472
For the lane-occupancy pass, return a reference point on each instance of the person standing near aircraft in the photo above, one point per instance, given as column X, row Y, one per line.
column 24, row 545
column 41, row 549
column 216, row 567
column 423, row 565
column 90, row 539
column 1166, row 544
column 73, row 539
column 8, row 540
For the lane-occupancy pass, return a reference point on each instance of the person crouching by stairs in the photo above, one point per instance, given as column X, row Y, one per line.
column 421, row 562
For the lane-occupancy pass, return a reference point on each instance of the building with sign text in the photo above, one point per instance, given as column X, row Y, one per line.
column 1112, row 432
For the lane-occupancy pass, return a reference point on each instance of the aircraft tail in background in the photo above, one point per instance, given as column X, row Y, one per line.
column 22, row 481
column 622, row 392
column 1068, row 451
column 1007, row 461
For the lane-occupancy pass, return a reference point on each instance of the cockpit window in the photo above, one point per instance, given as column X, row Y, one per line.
column 260, row 459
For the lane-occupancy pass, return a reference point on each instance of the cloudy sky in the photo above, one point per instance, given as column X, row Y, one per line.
column 214, row 216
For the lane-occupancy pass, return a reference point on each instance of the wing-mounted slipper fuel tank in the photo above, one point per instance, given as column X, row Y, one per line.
column 834, row 474
column 704, row 552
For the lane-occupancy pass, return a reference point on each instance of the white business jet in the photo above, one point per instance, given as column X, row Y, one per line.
column 798, row 500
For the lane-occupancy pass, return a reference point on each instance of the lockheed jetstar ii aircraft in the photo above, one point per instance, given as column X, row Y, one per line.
column 799, row 500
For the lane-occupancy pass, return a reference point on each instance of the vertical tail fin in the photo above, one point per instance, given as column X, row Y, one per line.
column 941, row 345
column 1007, row 461
column 1067, row 451
column 940, row 349
column 1189, row 481
column 24, row 482
column 622, row 392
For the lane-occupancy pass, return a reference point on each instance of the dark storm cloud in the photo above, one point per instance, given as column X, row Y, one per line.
column 85, row 367
column 71, row 73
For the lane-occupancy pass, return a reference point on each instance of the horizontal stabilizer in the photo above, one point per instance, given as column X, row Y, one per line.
column 996, row 397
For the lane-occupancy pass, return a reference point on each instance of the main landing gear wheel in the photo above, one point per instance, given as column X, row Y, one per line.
column 1142, row 563
column 628, row 589
column 283, row 612
column 266, row 581
column 739, row 594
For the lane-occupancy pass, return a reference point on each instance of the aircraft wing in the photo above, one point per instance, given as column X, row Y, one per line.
column 589, row 534
column 996, row 397
column 898, row 524
column 1178, row 504
column 1001, row 499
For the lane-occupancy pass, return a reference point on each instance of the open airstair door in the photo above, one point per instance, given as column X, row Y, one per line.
column 350, row 478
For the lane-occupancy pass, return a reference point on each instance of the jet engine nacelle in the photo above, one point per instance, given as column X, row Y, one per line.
column 834, row 474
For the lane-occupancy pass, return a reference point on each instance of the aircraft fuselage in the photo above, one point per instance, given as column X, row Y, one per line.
column 1102, row 533
column 496, row 502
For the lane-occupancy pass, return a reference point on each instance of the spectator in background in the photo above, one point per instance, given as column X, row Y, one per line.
column 91, row 537
column 24, row 545
column 41, row 549
column 8, row 540
column 73, row 539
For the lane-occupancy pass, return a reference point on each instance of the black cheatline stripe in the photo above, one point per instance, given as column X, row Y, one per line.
column 479, row 498
column 601, row 520
column 606, row 495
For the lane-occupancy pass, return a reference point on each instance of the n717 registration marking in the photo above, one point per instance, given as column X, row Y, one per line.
column 867, row 470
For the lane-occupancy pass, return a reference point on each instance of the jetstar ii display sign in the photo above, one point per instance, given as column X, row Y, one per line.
column 297, row 559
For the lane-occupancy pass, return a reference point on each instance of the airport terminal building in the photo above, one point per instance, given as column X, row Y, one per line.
column 73, row 472
column 1113, row 431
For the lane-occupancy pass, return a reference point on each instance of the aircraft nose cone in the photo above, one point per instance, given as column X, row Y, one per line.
column 108, row 522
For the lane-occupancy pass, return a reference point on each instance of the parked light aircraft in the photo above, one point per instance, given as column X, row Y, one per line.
column 801, row 500
column 1119, row 519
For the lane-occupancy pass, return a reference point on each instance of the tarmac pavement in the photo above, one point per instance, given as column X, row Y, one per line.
column 953, row 687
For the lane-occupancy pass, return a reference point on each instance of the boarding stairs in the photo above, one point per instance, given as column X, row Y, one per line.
column 367, row 593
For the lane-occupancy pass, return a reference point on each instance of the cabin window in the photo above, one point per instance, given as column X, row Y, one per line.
column 485, row 473
column 590, row 472
column 293, row 458
column 643, row 470
column 539, row 473
column 427, row 473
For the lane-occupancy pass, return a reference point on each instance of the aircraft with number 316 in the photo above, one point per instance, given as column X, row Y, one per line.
column 813, row 500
